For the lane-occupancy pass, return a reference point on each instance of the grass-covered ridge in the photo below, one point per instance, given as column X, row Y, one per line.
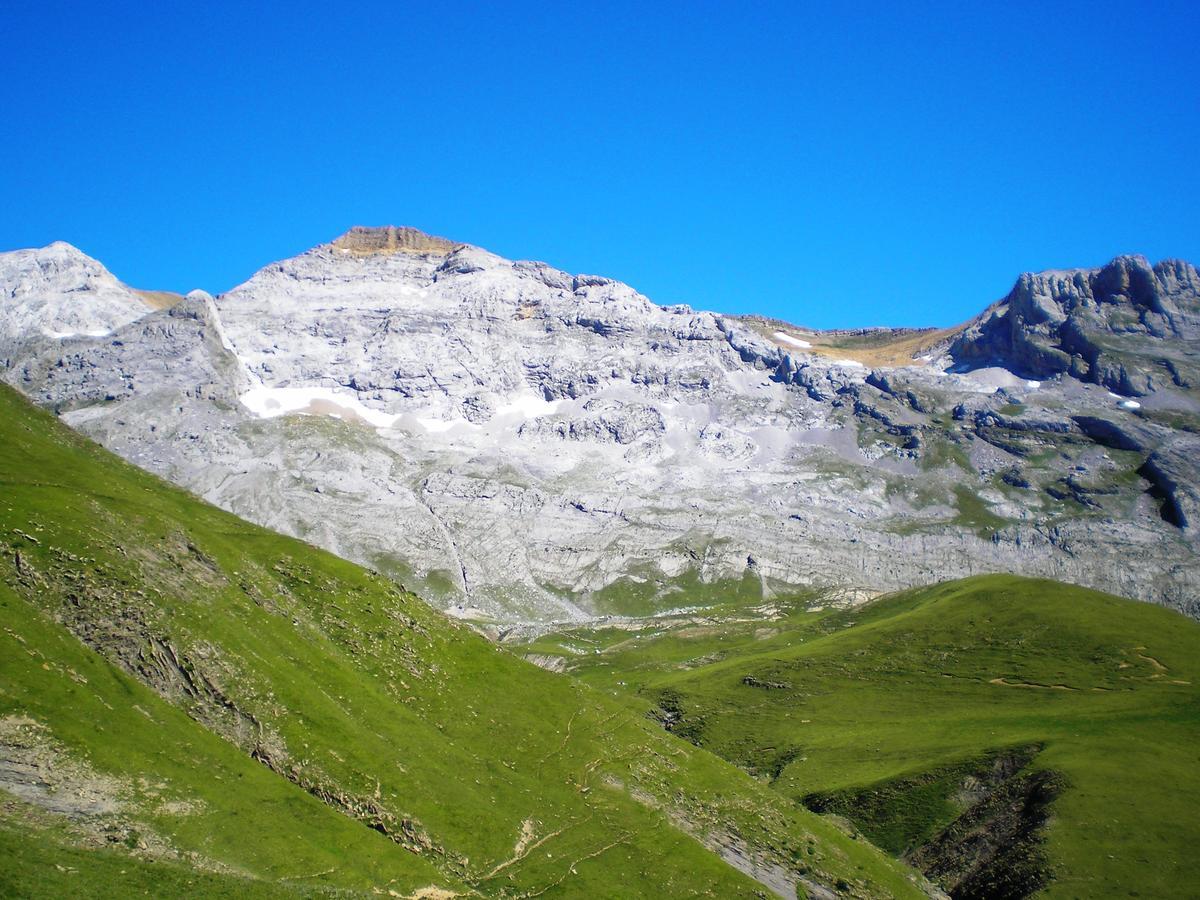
column 927, row 716
column 194, row 705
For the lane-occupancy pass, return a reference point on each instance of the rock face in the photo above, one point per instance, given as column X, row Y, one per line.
column 511, row 439
column 1128, row 326
column 367, row 241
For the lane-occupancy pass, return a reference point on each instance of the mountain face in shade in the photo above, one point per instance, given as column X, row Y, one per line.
column 518, row 442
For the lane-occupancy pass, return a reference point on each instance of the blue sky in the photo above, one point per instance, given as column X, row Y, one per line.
column 834, row 165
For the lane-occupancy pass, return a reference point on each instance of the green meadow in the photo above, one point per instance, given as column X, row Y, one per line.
column 1055, row 727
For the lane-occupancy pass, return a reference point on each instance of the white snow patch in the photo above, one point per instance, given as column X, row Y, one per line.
column 60, row 335
column 529, row 406
column 437, row 426
column 268, row 402
column 1033, row 385
column 850, row 363
column 794, row 341
column 1129, row 404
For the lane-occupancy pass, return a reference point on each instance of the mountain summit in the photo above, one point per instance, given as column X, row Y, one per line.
column 521, row 443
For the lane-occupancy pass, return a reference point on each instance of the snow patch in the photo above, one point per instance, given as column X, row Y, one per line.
column 529, row 406
column 340, row 403
column 436, row 426
column 849, row 363
column 1129, row 404
column 60, row 335
column 794, row 341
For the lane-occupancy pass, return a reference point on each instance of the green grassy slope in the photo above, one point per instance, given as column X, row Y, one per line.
column 890, row 713
column 246, row 715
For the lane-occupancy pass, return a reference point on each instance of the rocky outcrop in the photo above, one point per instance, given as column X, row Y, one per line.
column 1171, row 472
column 390, row 239
column 174, row 353
column 1129, row 326
column 601, row 421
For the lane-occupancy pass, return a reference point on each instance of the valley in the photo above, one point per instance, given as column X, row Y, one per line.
column 249, row 712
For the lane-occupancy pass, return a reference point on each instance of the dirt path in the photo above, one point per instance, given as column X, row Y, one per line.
column 1030, row 684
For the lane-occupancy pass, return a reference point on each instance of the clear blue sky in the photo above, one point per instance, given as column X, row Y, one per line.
column 836, row 165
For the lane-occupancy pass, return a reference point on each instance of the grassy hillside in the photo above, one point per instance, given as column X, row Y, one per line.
column 193, row 705
column 1005, row 734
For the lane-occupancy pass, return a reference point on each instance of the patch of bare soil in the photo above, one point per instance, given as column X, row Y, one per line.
column 993, row 851
column 159, row 299
column 1032, row 684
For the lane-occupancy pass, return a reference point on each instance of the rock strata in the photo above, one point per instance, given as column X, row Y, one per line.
column 536, row 445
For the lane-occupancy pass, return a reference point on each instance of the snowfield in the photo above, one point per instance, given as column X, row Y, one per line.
column 268, row 402
column 63, row 335
column 794, row 341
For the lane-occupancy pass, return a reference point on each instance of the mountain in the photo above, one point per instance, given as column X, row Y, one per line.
column 521, row 444
column 191, row 705
column 1008, row 736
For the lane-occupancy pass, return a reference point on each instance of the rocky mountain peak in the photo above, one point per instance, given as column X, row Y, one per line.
column 367, row 240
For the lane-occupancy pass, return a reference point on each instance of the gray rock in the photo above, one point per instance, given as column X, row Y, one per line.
column 509, row 438
column 1127, row 326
